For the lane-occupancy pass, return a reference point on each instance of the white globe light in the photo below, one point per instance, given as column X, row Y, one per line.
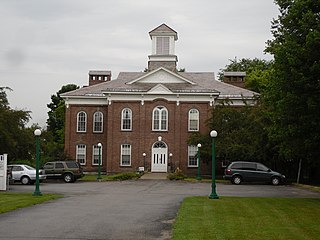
column 199, row 145
column 213, row 134
column 37, row 132
column 99, row 145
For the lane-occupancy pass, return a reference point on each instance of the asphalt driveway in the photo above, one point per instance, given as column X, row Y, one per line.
column 142, row 209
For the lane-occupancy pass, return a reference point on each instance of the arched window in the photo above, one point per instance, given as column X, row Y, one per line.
column 160, row 119
column 126, row 119
column 81, row 122
column 98, row 122
column 193, row 120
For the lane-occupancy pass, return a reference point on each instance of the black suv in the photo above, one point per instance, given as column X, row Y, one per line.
column 69, row 171
column 239, row 172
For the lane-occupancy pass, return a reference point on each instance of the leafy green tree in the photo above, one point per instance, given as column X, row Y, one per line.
column 56, row 124
column 241, row 134
column 293, row 95
column 15, row 139
column 257, row 72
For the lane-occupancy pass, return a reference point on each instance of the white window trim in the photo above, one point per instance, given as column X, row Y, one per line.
column 85, row 154
column 160, row 117
column 93, row 148
column 94, row 121
column 122, row 119
column 189, row 119
column 121, row 162
column 196, row 156
column 85, row 122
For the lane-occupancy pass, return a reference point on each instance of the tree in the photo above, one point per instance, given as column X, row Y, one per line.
column 257, row 72
column 15, row 139
column 56, row 123
column 241, row 132
column 293, row 95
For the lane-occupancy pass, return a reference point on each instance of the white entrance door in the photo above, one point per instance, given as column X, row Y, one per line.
column 159, row 157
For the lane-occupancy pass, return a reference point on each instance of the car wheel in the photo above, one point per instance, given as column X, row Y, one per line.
column 25, row 180
column 68, row 178
column 275, row 181
column 236, row 180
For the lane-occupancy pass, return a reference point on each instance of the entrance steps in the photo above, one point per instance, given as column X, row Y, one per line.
column 154, row 176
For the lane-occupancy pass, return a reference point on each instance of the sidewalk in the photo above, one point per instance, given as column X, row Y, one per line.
column 154, row 176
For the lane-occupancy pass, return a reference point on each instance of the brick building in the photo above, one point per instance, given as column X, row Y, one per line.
column 143, row 119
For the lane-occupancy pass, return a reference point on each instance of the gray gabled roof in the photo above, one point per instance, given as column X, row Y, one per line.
column 204, row 83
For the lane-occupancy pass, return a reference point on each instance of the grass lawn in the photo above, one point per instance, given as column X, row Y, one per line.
column 114, row 177
column 12, row 201
column 231, row 218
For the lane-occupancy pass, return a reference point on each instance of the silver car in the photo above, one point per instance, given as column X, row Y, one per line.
column 25, row 174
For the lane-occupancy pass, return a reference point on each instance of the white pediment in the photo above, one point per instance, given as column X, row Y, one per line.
column 161, row 75
column 159, row 89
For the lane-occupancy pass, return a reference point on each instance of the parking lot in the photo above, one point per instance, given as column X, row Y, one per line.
column 142, row 209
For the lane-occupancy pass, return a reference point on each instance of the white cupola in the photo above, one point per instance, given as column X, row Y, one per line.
column 163, row 48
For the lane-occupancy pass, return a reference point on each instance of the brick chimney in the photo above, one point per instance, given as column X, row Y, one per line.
column 235, row 78
column 96, row 77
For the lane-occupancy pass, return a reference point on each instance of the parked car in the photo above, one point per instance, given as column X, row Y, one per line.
column 69, row 171
column 238, row 172
column 25, row 174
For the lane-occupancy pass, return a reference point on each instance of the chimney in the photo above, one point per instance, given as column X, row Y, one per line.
column 96, row 77
column 235, row 78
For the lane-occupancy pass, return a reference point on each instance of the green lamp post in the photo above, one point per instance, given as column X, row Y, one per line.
column 99, row 162
column 37, row 134
column 198, row 175
column 213, row 194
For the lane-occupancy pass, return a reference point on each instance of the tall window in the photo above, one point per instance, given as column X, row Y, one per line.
column 81, row 122
column 126, row 119
column 192, row 156
column 95, row 155
column 81, row 154
column 125, row 155
column 163, row 44
column 97, row 122
column 160, row 119
column 193, row 120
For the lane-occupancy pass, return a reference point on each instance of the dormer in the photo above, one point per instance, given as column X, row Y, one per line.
column 163, row 48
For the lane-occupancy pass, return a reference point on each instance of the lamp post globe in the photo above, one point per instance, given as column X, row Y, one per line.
column 213, row 195
column 37, row 134
column 213, row 134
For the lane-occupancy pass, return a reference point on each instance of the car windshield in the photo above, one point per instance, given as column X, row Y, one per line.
column 28, row 167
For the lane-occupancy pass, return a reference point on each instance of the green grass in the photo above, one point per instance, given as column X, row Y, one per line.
column 231, row 218
column 12, row 201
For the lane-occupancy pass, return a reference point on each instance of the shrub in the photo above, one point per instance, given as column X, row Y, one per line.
column 177, row 175
column 123, row 176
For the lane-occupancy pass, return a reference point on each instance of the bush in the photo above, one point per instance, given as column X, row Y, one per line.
column 177, row 175
column 124, row 176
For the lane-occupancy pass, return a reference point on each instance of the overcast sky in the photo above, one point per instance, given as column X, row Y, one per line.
column 46, row 44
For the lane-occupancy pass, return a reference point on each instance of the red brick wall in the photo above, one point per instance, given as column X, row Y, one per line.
column 141, row 138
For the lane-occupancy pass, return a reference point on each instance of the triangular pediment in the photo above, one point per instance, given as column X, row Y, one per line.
column 161, row 75
column 159, row 89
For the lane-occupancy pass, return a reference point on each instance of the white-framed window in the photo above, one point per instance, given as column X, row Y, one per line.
column 193, row 118
column 95, row 155
column 160, row 119
column 81, row 122
column 192, row 156
column 81, row 154
column 125, row 155
column 126, row 119
column 163, row 45
column 98, row 122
